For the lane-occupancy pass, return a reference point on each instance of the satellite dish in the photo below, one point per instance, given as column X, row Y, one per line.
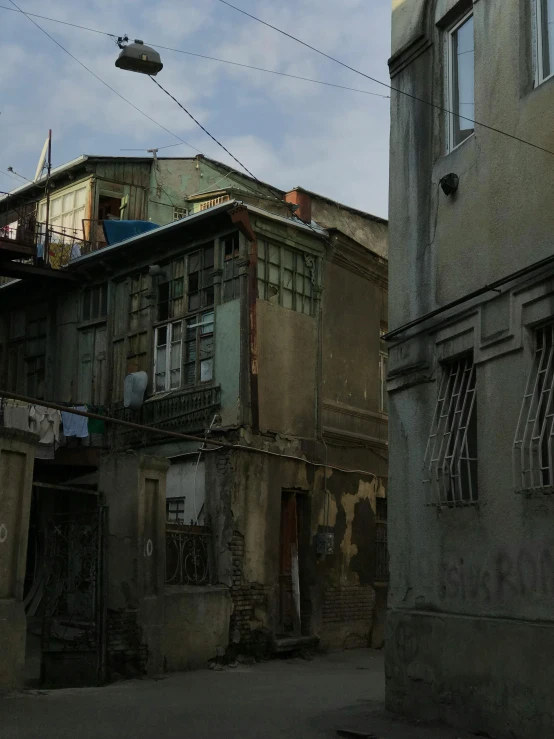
column 134, row 388
column 42, row 158
column 139, row 58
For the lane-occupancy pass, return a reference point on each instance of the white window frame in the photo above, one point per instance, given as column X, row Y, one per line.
column 449, row 468
column 450, row 115
column 533, row 449
column 169, row 348
column 538, row 48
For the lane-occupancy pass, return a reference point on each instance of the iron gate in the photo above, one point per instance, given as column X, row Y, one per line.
column 74, row 618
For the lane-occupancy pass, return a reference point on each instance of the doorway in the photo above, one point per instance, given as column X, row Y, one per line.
column 294, row 518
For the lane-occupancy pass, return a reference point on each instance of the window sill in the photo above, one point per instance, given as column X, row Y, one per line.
column 92, row 322
column 459, row 146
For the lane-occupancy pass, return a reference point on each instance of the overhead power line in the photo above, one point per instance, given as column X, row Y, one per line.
column 385, row 84
column 142, row 112
column 216, row 141
column 202, row 56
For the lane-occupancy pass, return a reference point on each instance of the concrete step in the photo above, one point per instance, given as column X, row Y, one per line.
column 284, row 644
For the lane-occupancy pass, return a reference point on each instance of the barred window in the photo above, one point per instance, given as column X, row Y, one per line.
column 451, row 456
column 533, row 446
column 286, row 277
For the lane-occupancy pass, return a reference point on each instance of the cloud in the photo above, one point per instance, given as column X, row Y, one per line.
column 287, row 132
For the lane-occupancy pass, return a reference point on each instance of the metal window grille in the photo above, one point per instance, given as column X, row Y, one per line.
column 451, row 456
column 533, row 444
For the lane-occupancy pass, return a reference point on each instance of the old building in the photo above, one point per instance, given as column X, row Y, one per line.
column 471, row 379
column 255, row 321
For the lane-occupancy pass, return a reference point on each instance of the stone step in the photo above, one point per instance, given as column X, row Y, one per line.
column 283, row 644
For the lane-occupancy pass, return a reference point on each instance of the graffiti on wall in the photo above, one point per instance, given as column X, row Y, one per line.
column 505, row 575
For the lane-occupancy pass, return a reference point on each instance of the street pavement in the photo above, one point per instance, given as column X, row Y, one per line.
column 293, row 698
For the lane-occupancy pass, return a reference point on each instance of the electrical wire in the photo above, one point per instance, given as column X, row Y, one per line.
column 155, row 81
column 385, row 84
column 142, row 112
column 204, row 56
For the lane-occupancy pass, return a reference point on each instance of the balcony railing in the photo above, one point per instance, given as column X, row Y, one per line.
column 188, row 555
column 188, row 410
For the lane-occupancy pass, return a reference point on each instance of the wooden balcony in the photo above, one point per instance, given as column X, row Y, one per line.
column 187, row 411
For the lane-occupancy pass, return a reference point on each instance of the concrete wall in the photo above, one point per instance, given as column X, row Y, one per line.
column 287, row 369
column 16, row 473
column 337, row 591
column 470, row 602
column 196, row 626
column 228, row 359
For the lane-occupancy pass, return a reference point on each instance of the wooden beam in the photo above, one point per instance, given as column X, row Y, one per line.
column 30, row 272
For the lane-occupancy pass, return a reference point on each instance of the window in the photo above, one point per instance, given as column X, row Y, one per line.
column 200, row 267
column 168, row 357
column 175, row 510
column 138, row 303
column 171, row 293
column 286, row 277
column 137, row 353
column 383, row 369
column 95, row 303
column 179, row 213
column 451, row 456
column 230, row 254
column 35, row 357
column 544, row 10
column 199, row 349
column 67, row 212
column 460, row 103
column 533, row 445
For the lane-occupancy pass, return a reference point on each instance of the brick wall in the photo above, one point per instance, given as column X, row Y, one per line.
column 349, row 603
column 246, row 597
column 126, row 654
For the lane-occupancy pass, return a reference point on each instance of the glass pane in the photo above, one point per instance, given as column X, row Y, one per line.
column 228, row 292
column 86, row 305
column 207, row 297
column 80, row 197
column 176, row 331
column 261, row 250
column 194, row 301
column 274, row 274
column 142, row 342
column 175, row 378
column 547, row 36
column 178, row 268
column 463, row 58
column 67, row 203
column 287, row 279
column 78, row 216
column 189, row 374
column 194, row 262
column 177, row 288
column 175, row 356
column 161, row 339
column 206, row 347
column 261, row 290
column 261, row 268
column 160, row 381
column 55, row 208
column 287, row 298
column 209, row 257
column 95, row 309
column 288, row 259
column 208, row 323
column 206, row 370
column 190, row 351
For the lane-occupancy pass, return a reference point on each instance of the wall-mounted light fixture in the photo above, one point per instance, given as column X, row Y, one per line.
column 449, row 183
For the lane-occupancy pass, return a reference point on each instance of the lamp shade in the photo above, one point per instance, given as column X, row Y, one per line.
column 137, row 57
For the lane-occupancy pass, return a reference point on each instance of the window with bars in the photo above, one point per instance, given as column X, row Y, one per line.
column 286, row 277
column 94, row 303
column 451, row 456
column 533, row 453
column 230, row 260
column 35, row 357
column 175, row 510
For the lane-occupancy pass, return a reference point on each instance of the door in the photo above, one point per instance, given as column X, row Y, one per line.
column 92, row 366
column 289, row 578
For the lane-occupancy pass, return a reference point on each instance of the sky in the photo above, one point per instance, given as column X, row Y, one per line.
column 287, row 132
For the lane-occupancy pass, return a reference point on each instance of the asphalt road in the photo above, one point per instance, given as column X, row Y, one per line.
column 293, row 698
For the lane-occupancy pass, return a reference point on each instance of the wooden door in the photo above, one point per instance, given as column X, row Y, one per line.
column 289, row 582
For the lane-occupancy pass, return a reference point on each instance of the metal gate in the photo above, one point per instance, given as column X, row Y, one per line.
column 74, row 604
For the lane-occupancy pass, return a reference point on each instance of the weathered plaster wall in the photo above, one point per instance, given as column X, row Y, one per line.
column 371, row 233
column 471, row 592
column 287, row 362
column 196, row 626
column 228, row 360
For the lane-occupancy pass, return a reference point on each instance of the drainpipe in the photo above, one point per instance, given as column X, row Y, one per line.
column 240, row 218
